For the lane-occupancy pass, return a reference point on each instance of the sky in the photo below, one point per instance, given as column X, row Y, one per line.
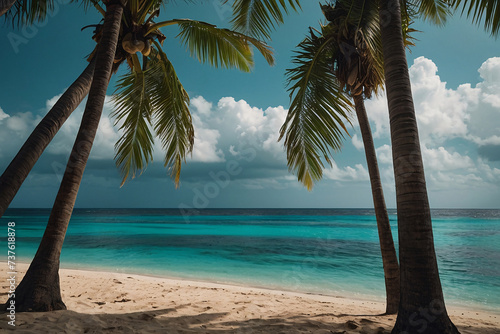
column 237, row 161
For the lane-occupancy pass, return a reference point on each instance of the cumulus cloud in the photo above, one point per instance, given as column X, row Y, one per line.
column 205, row 142
column 484, row 129
column 2, row 115
column 201, row 105
column 443, row 113
column 439, row 159
column 453, row 125
column 469, row 114
column 230, row 125
column 357, row 142
column 348, row 173
column 384, row 154
column 257, row 127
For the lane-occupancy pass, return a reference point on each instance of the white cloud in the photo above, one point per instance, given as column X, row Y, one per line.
column 484, row 127
column 443, row 180
column 18, row 123
column 201, row 105
column 205, row 143
column 490, row 72
column 442, row 113
column 3, row 115
column 357, row 142
column 444, row 169
column 384, row 154
column 238, row 124
column 376, row 109
column 469, row 113
column 348, row 173
column 258, row 127
column 439, row 159
column 230, row 125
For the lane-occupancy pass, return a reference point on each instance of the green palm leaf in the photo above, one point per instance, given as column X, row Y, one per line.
column 489, row 10
column 258, row 17
column 315, row 123
column 172, row 119
column 408, row 13
column 220, row 47
column 436, row 11
column 132, row 99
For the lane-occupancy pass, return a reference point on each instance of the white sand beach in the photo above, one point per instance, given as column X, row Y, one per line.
column 102, row 302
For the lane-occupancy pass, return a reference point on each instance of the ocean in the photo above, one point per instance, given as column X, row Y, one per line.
column 324, row 251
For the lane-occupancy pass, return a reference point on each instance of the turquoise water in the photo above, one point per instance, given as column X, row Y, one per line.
column 332, row 252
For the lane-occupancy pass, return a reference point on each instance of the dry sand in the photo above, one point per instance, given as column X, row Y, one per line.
column 100, row 302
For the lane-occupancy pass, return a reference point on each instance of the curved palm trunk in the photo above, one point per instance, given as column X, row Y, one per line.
column 17, row 171
column 421, row 308
column 389, row 257
column 39, row 290
column 5, row 5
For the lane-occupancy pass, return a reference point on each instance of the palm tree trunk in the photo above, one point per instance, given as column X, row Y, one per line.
column 389, row 257
column 5, row 5
column 17, row 171
column 39, row 290
column 421, row 308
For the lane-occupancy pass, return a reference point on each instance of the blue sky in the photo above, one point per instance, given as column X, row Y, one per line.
column 237, row 161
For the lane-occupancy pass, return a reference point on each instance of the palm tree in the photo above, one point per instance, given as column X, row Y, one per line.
column 28, row 12
column 151, row 95
column 17, row 171
column 420, row 289
column 422, row 308
column 346, row 58
column 39, row 290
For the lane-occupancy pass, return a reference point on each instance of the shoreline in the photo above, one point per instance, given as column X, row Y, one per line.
column 119, row 302
column 172, row 277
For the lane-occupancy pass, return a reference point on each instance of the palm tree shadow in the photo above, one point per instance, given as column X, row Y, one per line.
column 166, row 321
column 363, row 315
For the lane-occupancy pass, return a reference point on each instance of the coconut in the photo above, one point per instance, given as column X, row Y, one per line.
column 147, row 48
column 132, row 44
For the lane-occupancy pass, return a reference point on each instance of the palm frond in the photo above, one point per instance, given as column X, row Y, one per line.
column 265, row 50
column 219, row 47
column 318, row 113
column 408, row 12
column 478, row 10
column 434, row 11
column 258, row 18
column 29, row 11
column 133, row 109
column 172, row 119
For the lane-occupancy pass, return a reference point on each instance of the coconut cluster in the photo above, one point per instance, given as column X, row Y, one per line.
column 133, row 39
column 136, row 42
